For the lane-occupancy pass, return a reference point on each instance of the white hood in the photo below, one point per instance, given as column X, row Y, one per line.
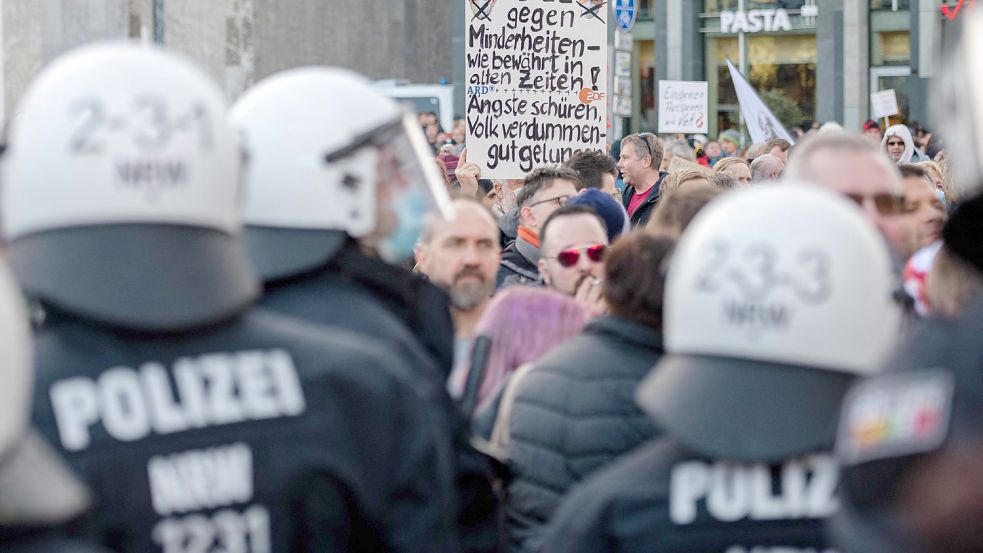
column 902, row 132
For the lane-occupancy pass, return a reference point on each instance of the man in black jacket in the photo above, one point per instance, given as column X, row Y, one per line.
column 193, row 417
column 641, row 156
column 545, row 190
column 748, row 393
column 574, row 411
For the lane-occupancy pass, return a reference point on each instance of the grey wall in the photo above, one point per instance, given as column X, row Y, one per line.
column 240, row 41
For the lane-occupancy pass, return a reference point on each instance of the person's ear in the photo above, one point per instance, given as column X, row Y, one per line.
column 544, row 271
column 527, row 217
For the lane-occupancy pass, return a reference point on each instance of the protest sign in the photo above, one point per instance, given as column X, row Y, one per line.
column 536, row 74
column 884, row 103
column 683, row 106
column 678, row 164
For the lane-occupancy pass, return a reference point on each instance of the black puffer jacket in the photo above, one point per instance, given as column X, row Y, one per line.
column 574, row 413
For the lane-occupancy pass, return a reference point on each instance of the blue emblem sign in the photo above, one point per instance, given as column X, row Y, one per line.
column 625, row 12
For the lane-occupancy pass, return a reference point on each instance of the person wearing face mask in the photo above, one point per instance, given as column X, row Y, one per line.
column 337, row 196
column 198, row 420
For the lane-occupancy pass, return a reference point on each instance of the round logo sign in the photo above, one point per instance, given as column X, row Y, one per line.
column 625, row 12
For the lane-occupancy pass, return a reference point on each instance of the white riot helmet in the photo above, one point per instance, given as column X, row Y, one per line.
column 36, row 487
column 776, row 299
column 959, row 109
column 319, row 142
column 120, row 198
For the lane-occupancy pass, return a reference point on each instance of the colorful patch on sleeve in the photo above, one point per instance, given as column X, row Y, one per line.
column 895, row 416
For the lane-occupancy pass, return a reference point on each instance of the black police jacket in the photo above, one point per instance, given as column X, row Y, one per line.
column 328, row 298
column 644, row 212
column 255, row 434
column 423, row 307
column 662, row 498
column 32, row 539
column 50, row 545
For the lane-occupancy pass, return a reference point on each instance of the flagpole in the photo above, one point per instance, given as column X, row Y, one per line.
column 742, row 63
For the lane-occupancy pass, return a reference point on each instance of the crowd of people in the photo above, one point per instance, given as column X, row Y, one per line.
column 307, row 322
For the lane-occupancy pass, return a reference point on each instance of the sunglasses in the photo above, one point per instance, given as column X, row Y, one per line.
column 560, row 200
column 890, row 143
column 644, row 138
column 569, row 258
column 886, row 204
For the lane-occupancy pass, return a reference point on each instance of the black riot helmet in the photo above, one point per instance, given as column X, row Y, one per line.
column 121, row 192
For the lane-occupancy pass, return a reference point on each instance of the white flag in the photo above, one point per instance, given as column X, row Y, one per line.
column 761, row 123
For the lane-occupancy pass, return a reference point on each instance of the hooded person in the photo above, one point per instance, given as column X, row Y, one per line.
column 910, row 441
column 337, row 187
column 902, row 153
column 192, row 416
column 766, row 327
column 41, row 499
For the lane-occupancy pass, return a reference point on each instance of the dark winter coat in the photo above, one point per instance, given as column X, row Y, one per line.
column 259, row 429
column 644, row 212
column 520, row 264
column 574, row 413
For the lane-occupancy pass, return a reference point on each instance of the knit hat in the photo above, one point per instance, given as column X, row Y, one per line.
column 610, row 211
column 730, row 135
column 871, row 124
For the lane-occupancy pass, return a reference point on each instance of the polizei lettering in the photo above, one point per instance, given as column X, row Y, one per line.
column 733, row 491
column 197, row 392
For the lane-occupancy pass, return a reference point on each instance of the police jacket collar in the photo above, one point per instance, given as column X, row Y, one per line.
column 641, row 335
column 416, row 301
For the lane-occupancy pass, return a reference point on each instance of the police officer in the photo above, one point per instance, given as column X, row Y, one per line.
column 328, row 221
column 910, row 444
column 39, row 495
column 201, row 424
column 776, row 299
column 911, row 440
column 337, row 186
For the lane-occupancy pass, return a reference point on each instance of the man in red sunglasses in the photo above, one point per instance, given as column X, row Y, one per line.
column 574, row 244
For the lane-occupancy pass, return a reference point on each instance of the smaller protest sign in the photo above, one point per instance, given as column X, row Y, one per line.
column 884, row 103
column 683, row 106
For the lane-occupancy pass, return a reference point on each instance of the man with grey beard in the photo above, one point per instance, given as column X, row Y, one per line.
column 462, row 256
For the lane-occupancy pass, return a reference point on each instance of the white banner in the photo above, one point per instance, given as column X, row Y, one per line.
column 761, row 123
column 536, row 73
column 683, row 106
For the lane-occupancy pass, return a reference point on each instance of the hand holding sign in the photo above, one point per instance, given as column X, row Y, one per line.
column 467, row 175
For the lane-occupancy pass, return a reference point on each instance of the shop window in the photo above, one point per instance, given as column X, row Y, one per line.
column 889, row 5
column 891, row 48
column 783, row 62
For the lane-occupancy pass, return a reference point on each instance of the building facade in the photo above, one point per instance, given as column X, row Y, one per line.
column 825, row 56
column 238, row 41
